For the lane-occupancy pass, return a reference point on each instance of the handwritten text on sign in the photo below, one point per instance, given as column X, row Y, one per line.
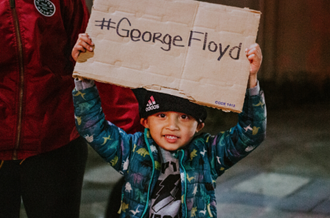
column 124, row 29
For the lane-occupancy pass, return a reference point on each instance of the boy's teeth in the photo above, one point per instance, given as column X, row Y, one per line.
column 171, row 137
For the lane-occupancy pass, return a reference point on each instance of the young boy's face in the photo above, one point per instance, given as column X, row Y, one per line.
column 171, row 130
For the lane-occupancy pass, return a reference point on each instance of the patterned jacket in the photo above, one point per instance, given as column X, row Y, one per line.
column 137, row 158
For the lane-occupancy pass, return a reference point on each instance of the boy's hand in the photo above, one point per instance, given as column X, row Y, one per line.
column 83, row 43
column 254, row 55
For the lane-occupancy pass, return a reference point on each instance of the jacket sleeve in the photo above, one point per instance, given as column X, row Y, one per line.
column 229, row 147
column 108, row 140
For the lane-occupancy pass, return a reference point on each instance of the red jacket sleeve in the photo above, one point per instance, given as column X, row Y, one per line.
column 120, row 107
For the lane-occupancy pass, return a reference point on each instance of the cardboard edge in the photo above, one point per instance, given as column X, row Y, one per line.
column 161, row 89
column 252, row 10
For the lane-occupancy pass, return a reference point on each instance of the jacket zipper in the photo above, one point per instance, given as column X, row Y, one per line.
column 153, row 171
column 185, row 186
column 21, row 78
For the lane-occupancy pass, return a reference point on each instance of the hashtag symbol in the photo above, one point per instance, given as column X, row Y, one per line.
column 105, row 23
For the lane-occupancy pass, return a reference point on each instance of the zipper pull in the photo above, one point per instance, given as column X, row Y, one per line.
column 12, row 3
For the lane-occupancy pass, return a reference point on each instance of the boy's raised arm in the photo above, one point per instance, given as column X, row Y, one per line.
column 254, row 55
column 108, row 140
column 250, row 131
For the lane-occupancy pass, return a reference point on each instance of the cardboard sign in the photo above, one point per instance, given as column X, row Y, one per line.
column 190, row 49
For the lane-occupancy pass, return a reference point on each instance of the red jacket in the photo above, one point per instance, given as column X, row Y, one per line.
column 36, row 109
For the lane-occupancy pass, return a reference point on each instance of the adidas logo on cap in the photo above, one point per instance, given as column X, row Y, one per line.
column 167, row 102
column 152, row 105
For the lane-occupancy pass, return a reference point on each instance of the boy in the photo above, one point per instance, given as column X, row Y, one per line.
column 168, row 170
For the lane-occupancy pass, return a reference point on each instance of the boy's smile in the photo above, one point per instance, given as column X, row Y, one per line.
column 171, row 130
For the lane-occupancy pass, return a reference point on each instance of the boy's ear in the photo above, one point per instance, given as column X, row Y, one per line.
column 200, row 126
column 144, row 122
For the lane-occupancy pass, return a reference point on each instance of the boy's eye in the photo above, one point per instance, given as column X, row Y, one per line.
column 184, row 116
column 161, row 115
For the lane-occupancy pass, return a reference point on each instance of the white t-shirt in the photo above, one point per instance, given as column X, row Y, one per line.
column 166, row 197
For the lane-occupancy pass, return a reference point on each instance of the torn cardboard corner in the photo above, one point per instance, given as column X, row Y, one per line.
column 191, row 49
